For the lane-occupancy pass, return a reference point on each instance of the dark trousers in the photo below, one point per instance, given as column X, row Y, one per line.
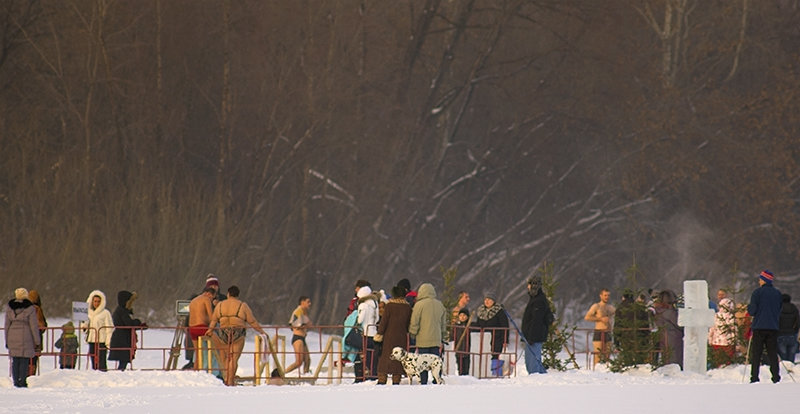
column 764, row 338
column 358, row 368
column 371, row 363
column 20, row 367
column 462, row 361
column 435, row 350
column 366, row 364
column 97, row 353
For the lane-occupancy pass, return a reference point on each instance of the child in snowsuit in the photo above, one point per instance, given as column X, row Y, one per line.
column 68, row 344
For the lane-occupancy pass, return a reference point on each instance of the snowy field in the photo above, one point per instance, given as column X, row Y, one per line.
column 143, row 390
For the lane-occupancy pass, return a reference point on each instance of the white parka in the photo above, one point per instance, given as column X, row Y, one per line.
column 723, row 332
column 100, row 325
column 368, row 314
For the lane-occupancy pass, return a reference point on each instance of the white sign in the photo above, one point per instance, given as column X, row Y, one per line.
column 80, row 311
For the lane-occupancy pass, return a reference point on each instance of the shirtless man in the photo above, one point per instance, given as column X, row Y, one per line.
column 601, row 313
column 200, row 309
column 300, row 322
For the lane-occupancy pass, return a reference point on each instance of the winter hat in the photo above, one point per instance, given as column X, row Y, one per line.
column 766, row 276
column 405, row 284
column 21, row 294
column 68, row 328
column 212, row 280
column 363, row 292
column 491, row 296
column 535, row 283
column 465, row 311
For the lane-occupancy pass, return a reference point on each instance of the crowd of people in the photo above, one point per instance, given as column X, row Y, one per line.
column 25, row 324
column 767, row 326
column 376, row 323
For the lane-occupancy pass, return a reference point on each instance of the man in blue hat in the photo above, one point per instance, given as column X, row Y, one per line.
column 765, row 308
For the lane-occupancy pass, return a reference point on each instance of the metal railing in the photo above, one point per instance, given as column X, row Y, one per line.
column 271, row 352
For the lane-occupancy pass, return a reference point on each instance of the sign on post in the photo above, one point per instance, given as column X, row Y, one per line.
column 80, row 311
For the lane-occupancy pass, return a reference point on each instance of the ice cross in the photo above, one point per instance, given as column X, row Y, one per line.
column 696, row 318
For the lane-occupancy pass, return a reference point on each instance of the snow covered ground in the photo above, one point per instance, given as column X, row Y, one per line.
column 154, row 391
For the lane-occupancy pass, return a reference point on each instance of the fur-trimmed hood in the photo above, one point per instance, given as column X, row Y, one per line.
column 102, row 301
column 376, row 296
column 125, row 299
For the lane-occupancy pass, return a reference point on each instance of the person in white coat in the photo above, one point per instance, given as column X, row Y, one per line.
column 368, row 317
column 98, row 330
column 722, row 334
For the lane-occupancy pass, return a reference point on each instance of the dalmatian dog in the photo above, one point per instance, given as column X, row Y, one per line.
column 414, row 364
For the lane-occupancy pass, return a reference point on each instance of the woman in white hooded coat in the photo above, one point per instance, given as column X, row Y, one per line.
column 368, row 317
column 98, row 329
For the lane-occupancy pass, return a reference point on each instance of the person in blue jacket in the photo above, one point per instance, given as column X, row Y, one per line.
column 765, row 308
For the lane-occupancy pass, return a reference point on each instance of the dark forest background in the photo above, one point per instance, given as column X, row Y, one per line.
column 293, row 147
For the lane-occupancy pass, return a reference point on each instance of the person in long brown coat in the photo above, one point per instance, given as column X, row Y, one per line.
column 393, row 327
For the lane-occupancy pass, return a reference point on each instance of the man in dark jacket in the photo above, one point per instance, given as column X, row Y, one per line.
column 765, row 308
column 536, row 323
column 788, row 326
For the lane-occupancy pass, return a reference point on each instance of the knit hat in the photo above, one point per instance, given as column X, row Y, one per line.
column 212, row 280
column 766, row 276
column 465, row 311
column 21, row 294
column 491, row 296
column 68, row 328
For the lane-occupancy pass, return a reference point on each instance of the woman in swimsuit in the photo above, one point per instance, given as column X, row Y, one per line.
column 233, row 316
column 300, row 322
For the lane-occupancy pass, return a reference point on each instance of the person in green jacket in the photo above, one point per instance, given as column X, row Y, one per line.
column 428, row 324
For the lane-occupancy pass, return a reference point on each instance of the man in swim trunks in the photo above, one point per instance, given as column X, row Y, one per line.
column 601, row 313
column 200, row 309
column 300, row 322
column 233, row 316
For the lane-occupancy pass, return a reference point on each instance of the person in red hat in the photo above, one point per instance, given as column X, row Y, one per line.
column 765, row 308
